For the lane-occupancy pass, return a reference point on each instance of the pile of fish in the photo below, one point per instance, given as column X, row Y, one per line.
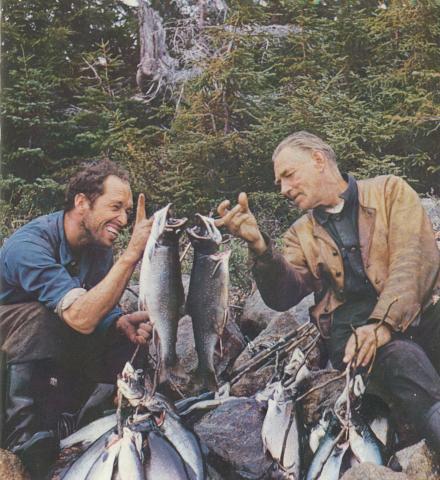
column 161, row 291
column 146, row 439
column 342, row 438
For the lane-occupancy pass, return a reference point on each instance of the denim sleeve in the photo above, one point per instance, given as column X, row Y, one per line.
column 109, row 320
column 31, row 267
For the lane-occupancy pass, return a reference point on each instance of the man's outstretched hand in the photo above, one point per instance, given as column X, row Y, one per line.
column 369, row 338
column 136, row 327
column 241, row 223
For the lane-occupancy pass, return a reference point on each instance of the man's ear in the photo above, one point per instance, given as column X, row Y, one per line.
column 319, row 160
column 82, row 203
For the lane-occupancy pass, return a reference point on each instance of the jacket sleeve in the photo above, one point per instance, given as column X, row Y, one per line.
column 283, row 280
column 413, row 257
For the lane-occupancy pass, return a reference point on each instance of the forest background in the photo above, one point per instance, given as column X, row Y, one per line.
column 364, row 75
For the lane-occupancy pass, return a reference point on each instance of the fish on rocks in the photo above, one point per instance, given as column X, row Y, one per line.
column 160, row 286
column 364, row 444
column 162, row 460
column 186, row 444
column 324, row 452
column 280, row 432
column 103, row 467
column 82, row 466
column 130, row 465
column 207, row 301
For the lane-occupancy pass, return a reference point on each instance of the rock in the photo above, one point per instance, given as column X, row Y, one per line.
column 232, row 344
column 369, row 471
column 257, row 315
column 129, row 299
column 418, row 462
column 11, row 467
column 235, row 452
column 317, row 401
column 253, row 381
column 432, row 207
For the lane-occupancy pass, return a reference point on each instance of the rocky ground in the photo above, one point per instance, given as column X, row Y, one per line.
column 231, row 433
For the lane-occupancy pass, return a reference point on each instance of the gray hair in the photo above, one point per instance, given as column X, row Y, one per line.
column 305, row 141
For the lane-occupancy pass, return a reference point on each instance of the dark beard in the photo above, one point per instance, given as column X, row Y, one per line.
column 87, row 237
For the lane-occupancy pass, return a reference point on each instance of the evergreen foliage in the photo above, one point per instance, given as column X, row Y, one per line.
column 362, row 74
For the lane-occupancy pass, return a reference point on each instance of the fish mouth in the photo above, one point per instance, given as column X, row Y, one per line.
column 205, row 229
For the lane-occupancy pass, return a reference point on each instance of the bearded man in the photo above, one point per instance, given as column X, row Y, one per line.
column 59, row 318
column 367, row 250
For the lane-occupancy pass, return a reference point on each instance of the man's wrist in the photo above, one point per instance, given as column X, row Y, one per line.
column 258, row 247
column 129, row 258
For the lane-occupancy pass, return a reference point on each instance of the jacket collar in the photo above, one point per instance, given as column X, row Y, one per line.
column 66, row 255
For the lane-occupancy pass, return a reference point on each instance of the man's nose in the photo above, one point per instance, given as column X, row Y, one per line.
column 285, row 188
column 123, row 218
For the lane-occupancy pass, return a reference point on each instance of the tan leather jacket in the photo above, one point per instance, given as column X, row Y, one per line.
column 399, row 253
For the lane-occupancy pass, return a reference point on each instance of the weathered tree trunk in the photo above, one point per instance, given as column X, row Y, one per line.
column 156, row 65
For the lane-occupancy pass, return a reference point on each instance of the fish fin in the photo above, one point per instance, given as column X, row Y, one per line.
column 217, row 266
column 207, row 379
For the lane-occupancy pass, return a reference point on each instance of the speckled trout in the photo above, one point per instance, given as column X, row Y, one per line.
column 160, row 285
column 207, row 301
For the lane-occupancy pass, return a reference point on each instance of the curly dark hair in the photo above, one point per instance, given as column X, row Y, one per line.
column 90, row 181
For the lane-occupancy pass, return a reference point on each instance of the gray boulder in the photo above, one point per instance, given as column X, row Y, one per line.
column 432, row 207
column 418, row 462
column 232, row 435
column 369, row 471
column 257, row 315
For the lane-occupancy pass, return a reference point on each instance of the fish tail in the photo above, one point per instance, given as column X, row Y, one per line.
column 207, row 379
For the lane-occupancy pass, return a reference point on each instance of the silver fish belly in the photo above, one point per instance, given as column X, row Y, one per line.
column 364, row 444
column 280, row 432
column 102, row 469
column 162, row 461
column 129, row 461
column 186, row 444
column 81, row 467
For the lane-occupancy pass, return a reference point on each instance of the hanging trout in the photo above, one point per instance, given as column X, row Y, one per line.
column 207, row 301
column 160, row 285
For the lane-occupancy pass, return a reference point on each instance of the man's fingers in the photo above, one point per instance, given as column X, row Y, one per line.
column 243, row 202
column 349, row 350
column 369, row 356
column 139, row 316
column 223, row 208
column 140, row 211
column 363, row 352
column 145, row 329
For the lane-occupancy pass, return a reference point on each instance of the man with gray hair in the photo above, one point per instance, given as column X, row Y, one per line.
column 367, row 250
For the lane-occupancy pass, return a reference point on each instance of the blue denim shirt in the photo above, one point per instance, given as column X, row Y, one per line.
column 36, row 264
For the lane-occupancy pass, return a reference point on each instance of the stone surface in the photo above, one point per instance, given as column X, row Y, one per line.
column 232, row 435
column 418, row 462
column 369, row 471
column 318, row 400
column 432, row 207
column 11, row 467
column 257, row 315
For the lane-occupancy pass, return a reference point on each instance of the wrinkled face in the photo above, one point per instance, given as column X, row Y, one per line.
column 103, row 221
column 299, row 174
